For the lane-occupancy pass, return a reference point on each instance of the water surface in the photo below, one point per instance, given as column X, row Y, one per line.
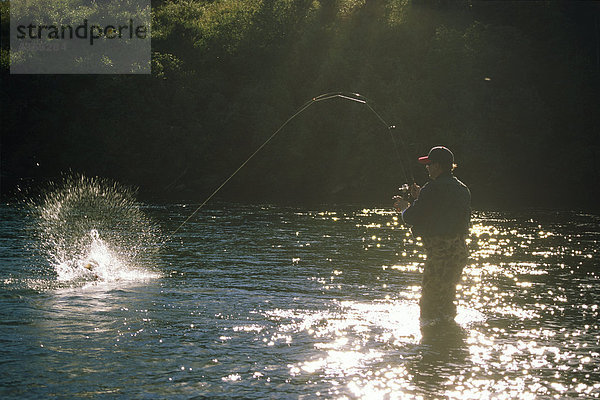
column 271, row 302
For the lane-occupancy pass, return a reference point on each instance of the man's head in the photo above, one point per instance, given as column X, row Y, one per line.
column 439, row 160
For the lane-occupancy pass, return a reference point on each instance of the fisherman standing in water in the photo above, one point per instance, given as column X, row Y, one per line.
column 440, row 214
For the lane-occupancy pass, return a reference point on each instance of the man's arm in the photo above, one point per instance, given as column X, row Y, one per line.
column 416, row 213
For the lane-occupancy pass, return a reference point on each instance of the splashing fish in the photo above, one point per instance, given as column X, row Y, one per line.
column 93, row 229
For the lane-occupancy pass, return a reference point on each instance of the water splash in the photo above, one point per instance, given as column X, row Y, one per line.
column 92, row 229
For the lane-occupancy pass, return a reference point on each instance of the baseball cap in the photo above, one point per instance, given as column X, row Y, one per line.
column 439, row 154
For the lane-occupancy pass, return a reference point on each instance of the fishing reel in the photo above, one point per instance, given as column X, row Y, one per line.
column 404, row 196
column 404, row 193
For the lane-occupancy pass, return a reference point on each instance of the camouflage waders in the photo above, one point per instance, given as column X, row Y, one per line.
column 446, row 258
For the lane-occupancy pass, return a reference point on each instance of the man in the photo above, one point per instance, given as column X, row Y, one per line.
column 440, row 214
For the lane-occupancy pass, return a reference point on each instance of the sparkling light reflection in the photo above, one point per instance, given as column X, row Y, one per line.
column 509, row 344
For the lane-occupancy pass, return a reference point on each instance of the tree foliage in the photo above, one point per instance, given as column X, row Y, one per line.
column 511, row 87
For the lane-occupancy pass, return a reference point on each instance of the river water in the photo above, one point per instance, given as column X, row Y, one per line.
column 270, row 302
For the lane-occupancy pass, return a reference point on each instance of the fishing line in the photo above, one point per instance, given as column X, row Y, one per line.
column 390, row 130
column 326, row 96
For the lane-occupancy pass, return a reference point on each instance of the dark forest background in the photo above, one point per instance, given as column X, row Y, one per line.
column 511, row 87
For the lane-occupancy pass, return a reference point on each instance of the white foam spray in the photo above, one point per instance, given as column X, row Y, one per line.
column 93, row 230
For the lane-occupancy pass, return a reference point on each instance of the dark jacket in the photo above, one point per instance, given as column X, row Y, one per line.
column 442, row 209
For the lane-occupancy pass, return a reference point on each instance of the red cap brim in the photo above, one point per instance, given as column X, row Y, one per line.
column 424, row 160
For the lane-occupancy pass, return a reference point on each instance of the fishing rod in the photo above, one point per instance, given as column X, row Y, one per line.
column 326, row 96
